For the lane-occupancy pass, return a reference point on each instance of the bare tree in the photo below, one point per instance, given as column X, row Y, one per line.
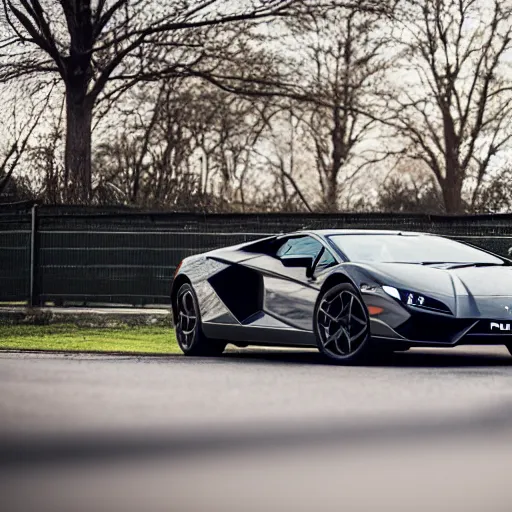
column 145, row 160
column 342, row 66
column 409, row 188
column 228, row 134
column 495, row 193
column 455, row 105
column 283, row 155
column 19, row 129
column 89, row 44
column 99, row 49
column 185, row 143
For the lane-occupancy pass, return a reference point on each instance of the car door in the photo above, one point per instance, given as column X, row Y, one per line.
column 289, row 294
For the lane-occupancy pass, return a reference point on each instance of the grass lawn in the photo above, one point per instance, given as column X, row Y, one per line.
column 160, row 340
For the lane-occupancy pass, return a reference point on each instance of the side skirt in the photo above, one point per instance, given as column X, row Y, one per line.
column 261, row 335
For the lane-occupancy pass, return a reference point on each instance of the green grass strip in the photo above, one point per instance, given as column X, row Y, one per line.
column 143, row 340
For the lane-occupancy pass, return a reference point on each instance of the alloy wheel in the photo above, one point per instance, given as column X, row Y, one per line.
column 342, row 323
column 187, row 317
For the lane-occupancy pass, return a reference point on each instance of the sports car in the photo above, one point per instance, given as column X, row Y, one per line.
column 350, row 293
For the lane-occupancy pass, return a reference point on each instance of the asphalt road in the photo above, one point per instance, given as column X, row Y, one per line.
column 256, row 430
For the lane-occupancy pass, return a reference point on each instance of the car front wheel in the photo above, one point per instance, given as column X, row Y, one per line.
column 189, row 334
column 342, row 326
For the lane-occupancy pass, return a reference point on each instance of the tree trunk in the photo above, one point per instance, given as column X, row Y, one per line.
column 339, row 153
column 452, row 184
column 331, row 199
column 78, row 180
column 452, row 196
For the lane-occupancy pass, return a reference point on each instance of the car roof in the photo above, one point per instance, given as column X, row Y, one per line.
column 331, row 232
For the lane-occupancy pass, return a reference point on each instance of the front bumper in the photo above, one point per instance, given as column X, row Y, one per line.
column 414, row 326
column 437, row 330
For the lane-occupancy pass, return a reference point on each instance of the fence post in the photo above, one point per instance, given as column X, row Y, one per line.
column 34, row 295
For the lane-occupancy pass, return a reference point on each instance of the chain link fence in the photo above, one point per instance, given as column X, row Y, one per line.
column 65, row 255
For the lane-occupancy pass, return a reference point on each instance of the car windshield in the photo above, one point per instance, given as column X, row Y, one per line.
column 421, row 249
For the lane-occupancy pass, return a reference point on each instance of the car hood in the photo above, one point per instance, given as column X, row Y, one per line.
column 467, row 291
column 484, row 281
column 489, row 281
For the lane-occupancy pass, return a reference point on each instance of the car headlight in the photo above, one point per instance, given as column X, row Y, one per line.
column 416, row 300
column 390, row 290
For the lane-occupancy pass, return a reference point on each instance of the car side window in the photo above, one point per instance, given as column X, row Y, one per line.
column 306, row 246
column 327, row 260
column 299, row 246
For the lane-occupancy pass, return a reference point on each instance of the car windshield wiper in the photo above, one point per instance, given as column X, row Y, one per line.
column 479, row 264
column 424, row 262
column 451, row 264
column 438, row 263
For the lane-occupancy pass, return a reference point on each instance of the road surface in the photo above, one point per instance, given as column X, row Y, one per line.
column 426, row 430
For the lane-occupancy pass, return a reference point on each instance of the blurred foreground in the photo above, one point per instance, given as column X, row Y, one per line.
column 427, row 430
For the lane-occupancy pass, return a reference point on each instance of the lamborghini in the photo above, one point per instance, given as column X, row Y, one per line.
column 349, row 293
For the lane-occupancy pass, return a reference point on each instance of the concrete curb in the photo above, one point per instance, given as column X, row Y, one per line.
column 87, row 352
column 86, row 317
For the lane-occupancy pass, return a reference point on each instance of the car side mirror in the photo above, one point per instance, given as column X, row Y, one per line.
column 299, row 262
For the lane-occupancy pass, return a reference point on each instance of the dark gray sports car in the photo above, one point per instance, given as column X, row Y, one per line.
column 347, row 292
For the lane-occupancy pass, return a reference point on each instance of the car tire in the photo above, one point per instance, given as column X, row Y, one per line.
column 189, row 334
column 342, row 325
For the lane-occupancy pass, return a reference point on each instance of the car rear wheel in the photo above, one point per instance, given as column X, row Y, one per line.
column 189, row 334
column 342, row 326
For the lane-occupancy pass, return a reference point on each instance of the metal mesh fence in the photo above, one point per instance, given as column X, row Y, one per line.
column 15, row 237
column 117, row 266
column 123, row 257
